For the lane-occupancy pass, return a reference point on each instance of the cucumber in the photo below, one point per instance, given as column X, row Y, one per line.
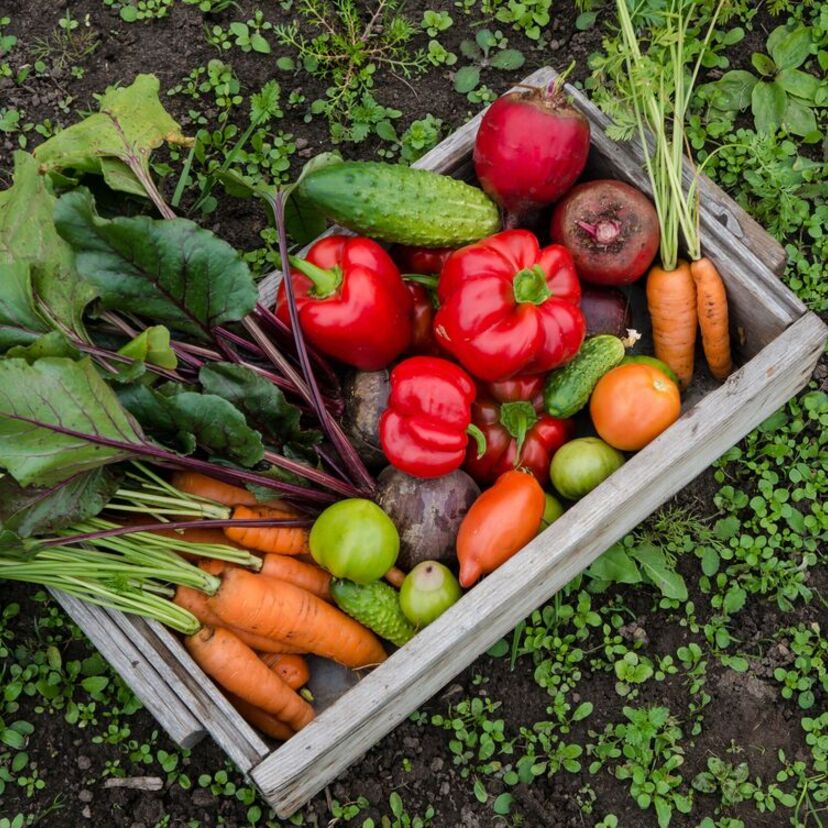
column 653, row 362
column 567, row 389
column 376, row 606
column 394, row 203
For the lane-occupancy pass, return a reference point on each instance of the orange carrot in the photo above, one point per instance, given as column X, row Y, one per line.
column 228, row 660
column 292, row 669
column 196, row 602
column 308, row 576
column 213, row 566
column 671, row 299
column 395, row 576
column 281, row 540
column 277, row 609
column 201, row 485
column 264, row 721
column 713, row 317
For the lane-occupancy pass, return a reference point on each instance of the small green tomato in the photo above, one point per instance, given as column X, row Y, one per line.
column 355, row 539
column 427, row 592
column 551, row 512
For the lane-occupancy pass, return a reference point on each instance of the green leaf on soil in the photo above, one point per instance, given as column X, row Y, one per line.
column 131, row 123
column 70, row 395
column 171, row 271
column 768, row 101
column 508, row 59
column 732, row 92
column 466, row 79
column 789, row 49
column 615, row 566
column 658, row 570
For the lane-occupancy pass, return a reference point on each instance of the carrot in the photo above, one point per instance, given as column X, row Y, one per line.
column 292, row 669
column 282, row 540
column 228, row 660
column 277, row 609
column 395, row 576
column 209, row 488
column 308, row 576
column 196, row 602
column 213, row 566
column 671, row 300
column 264, row 721
column 713, row 317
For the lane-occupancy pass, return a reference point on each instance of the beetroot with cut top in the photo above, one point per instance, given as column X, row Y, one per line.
column 610, row 228
column 606, row 310
column 530, row 149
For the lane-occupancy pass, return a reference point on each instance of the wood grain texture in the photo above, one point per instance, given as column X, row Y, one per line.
column 201, row 696
column 313, row 757
column 138, row 667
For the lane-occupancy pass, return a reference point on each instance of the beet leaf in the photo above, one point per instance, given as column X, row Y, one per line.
column 172, row 271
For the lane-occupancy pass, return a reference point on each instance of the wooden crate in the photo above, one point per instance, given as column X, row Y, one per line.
column 779, row 345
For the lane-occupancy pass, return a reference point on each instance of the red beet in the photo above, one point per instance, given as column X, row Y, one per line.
column 606, row 310
column 531, row 147
column 611, row 230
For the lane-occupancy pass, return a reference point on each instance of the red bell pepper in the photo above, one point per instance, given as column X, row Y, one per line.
column 425, row 260
column 353, row 304
column 422, row 339
column 508, row 307
column 421, row 261
column 518, row 433
column 425, row 429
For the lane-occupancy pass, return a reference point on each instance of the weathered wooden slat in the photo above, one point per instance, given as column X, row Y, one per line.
column 328, row 745
column 178, row 671
column 137, row 666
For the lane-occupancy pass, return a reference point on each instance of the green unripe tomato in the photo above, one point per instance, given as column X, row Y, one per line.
column 427, row 592
column 580, row 465
column 355, row 539
column 551, row 512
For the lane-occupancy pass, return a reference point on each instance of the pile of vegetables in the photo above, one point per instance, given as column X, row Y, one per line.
column 330, row 473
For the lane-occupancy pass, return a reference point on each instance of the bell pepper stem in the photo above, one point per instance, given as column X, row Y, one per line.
column 479, row 438
column 530, row 286
column 422, row 279
column 517, row 418
column 325, row 282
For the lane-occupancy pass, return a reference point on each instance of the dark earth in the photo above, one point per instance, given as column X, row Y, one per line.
column 414, row 759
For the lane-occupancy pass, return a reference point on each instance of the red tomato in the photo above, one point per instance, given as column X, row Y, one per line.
column 632, row 404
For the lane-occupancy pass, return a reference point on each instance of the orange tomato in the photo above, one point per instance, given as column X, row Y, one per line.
column 499, row 523
column 632, row 404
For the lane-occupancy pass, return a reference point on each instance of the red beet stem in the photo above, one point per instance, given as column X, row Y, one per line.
column 603, row 232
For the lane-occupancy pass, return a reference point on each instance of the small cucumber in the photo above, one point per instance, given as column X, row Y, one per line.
column 376, row 606
column 644, row 359
column 567, row 389
column 395, row 203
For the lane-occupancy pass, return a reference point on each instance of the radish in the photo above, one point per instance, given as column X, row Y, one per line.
column 610, row 228
column 531, row 147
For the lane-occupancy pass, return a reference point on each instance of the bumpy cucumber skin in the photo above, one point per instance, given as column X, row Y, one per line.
column 394, row 203
column 376, row 606
column 568, row 389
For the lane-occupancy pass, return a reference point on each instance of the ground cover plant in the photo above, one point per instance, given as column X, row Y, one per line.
column 631, row 699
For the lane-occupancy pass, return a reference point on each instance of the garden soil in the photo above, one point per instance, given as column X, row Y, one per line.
column 414, row 759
